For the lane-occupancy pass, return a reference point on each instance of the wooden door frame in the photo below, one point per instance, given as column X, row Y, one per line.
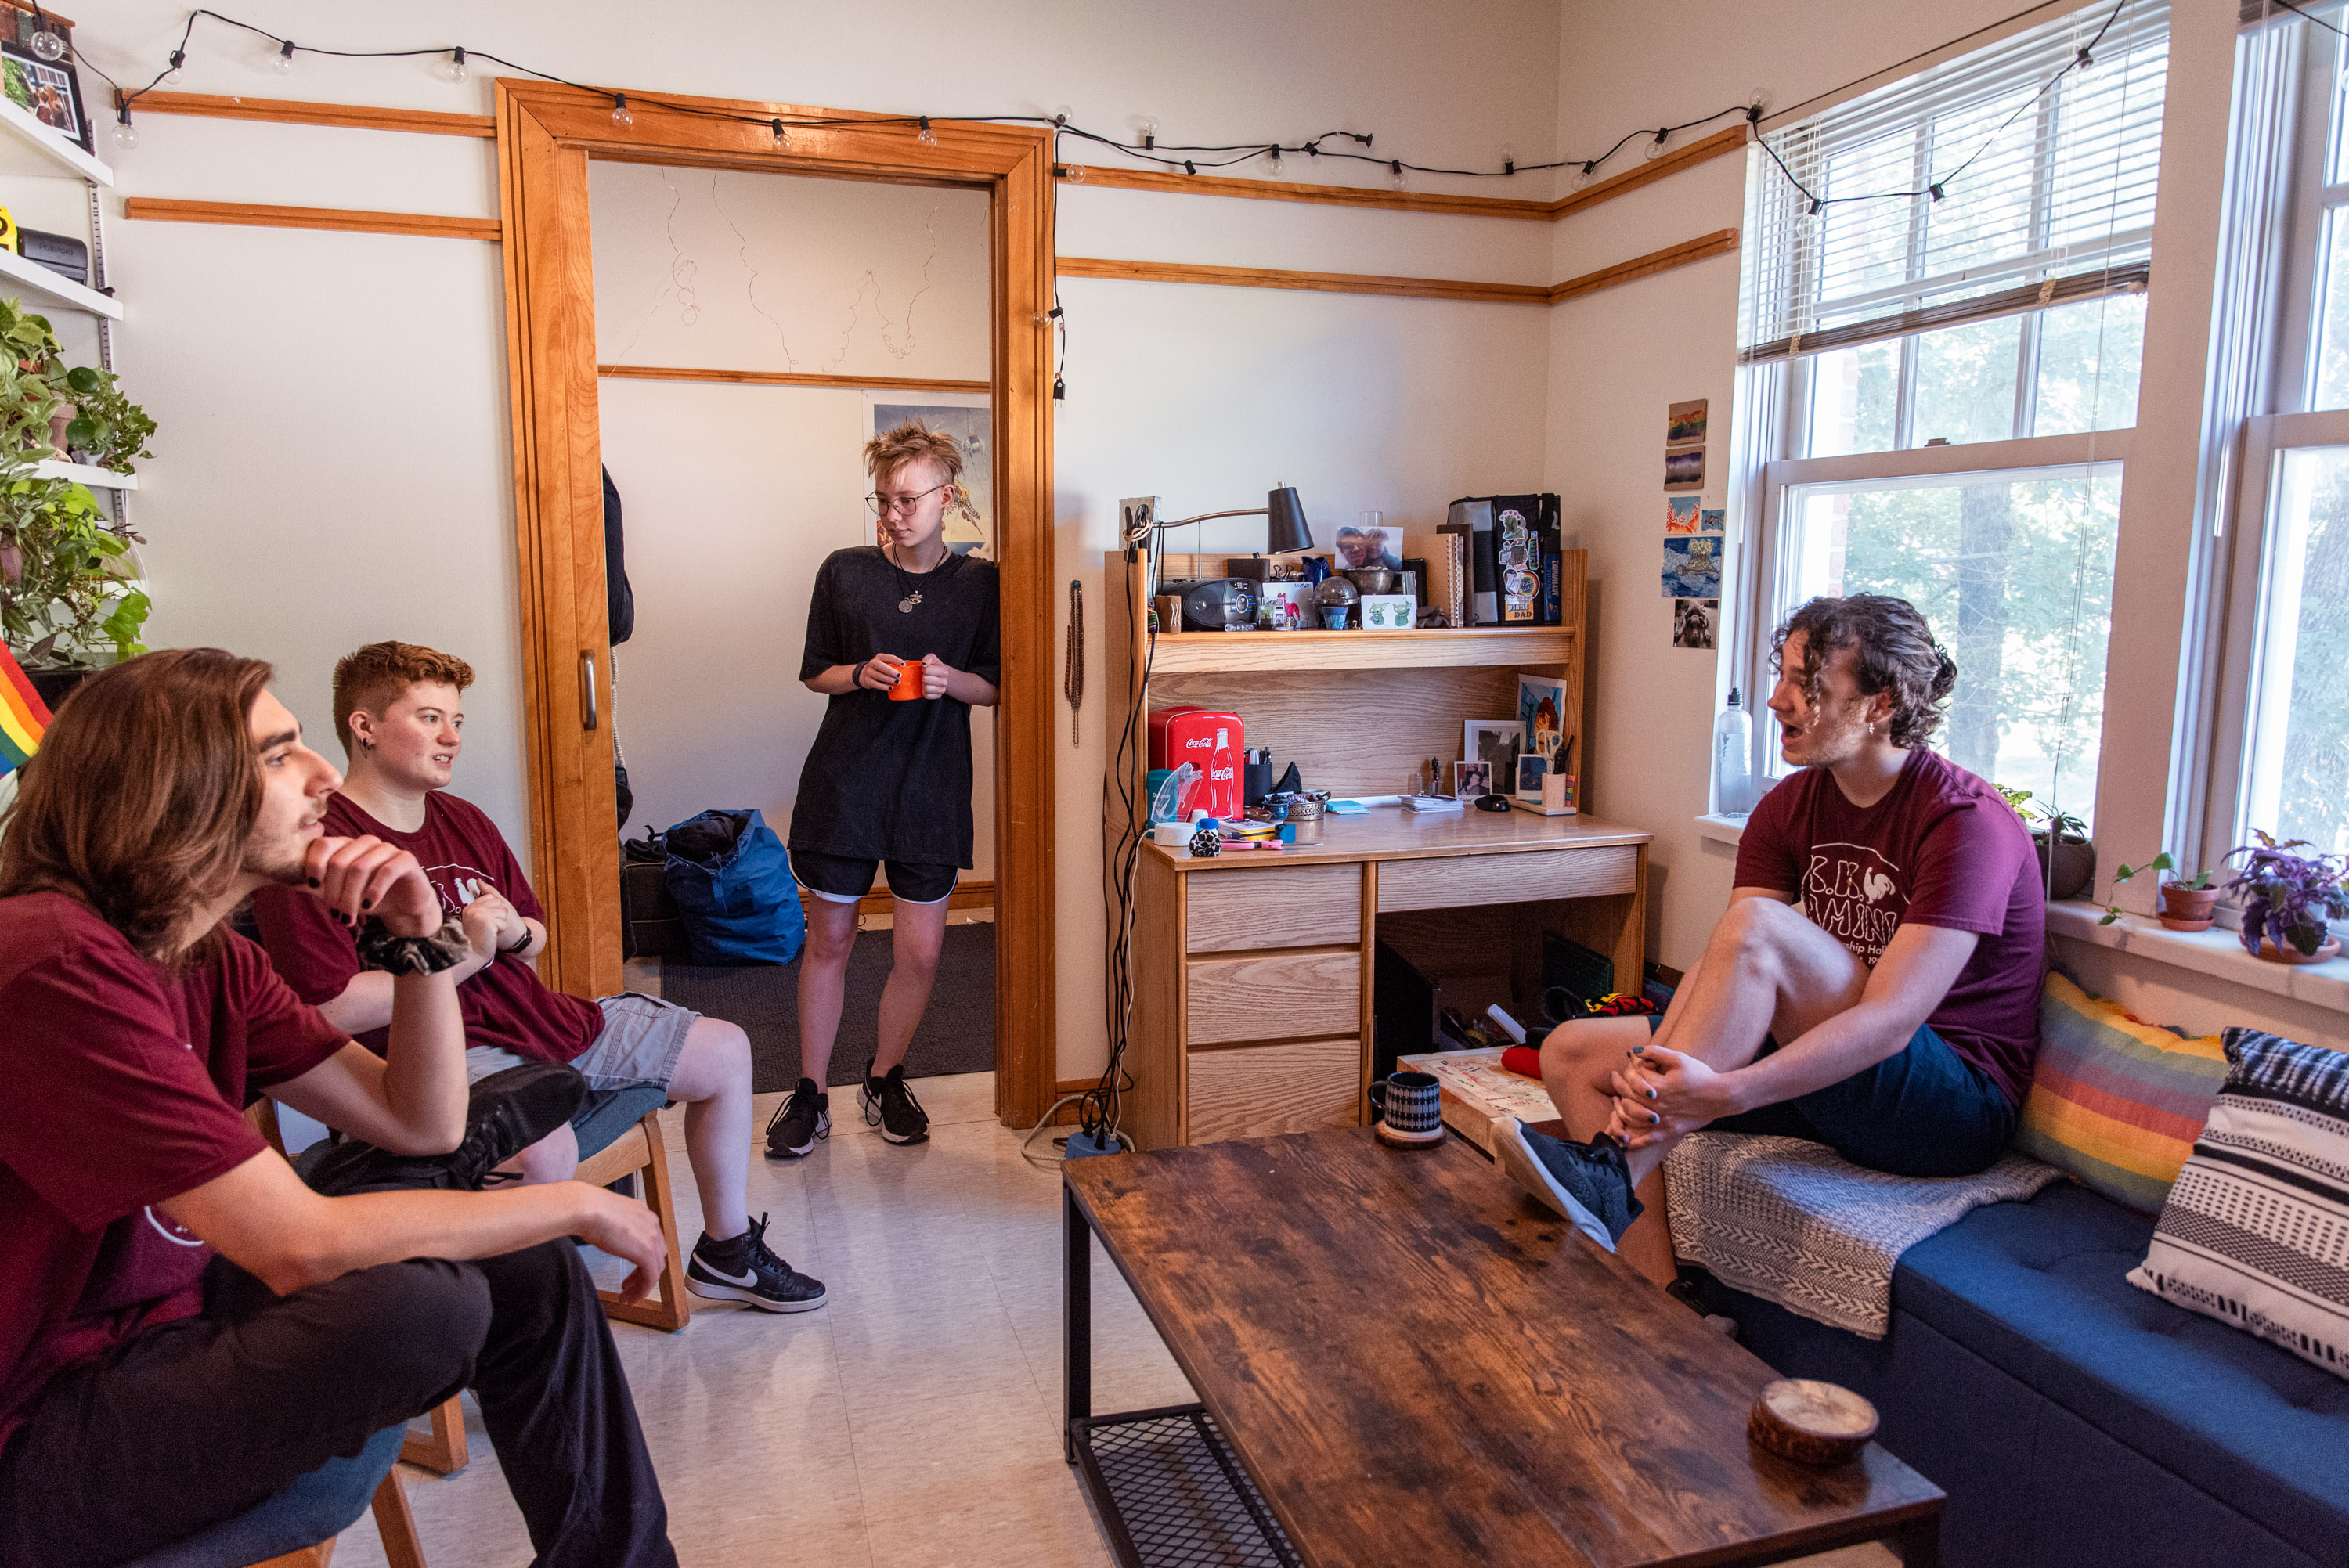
column 546, row 135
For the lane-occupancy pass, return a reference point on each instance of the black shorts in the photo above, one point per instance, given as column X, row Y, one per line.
column 843, row 879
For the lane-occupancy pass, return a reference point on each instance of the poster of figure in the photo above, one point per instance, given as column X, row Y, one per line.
column 1693, row 568
column 1541, row 709
column 970, row 516
column 1693, row 621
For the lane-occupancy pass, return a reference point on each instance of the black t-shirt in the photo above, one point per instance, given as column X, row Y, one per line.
column 891, row 781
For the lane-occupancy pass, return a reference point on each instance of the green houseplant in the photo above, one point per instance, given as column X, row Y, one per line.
column 2187, row 902
column 2067, row 861
column 107, row 424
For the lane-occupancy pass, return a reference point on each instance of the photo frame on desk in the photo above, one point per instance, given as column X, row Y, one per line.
column 1498, row 742
column 49, row 91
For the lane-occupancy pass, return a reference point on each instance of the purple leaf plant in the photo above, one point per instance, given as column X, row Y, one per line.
column 2288, row 898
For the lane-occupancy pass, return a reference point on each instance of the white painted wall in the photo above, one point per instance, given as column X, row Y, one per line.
column 370, row 369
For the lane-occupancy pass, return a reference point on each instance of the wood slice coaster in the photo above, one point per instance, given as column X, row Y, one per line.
column 1395, row 1140
column 1811, row 1422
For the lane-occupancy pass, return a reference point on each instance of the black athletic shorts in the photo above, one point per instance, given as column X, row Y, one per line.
column 843, row 879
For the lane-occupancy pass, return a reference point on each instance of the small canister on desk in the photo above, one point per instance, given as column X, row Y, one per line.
column 1299, row 814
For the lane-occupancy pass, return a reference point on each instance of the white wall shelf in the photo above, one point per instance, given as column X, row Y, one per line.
column 1720, row 828
column 85, row 474
column 30, row 147
column 41, row 287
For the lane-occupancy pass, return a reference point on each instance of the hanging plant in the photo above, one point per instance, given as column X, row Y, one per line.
column 67, row 600
column 107, row 424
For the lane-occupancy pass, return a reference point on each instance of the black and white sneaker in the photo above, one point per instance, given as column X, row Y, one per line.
column 741, row 1268
column 1589, row 1184
column 890, row 1105
column 798, row 1121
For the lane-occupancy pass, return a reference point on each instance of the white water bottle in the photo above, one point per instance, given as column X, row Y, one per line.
column 1733, row 759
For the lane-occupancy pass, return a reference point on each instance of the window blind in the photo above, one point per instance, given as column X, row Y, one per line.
column 2047, row 191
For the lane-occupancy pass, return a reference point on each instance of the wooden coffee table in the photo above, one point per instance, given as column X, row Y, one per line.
column 1401, row 1360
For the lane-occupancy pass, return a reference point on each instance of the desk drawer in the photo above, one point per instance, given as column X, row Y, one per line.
column 1286, row 907
column 1259, row 1090
column 1278, row 996
column 1453, row 881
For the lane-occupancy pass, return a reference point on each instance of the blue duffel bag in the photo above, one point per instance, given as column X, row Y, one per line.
column 733, row 882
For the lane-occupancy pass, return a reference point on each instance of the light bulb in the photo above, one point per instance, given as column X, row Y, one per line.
column 283, row 64
column 620, row 114
column 178, row 60
column 925, row 136
column 1394, row 172
column 1508, row 157
column 1655, row 148
column 1149, row 133
column 48, row 45
column 1279, row 166
column 1076, row 173
column 1582, row 175
column 783, row 133
column 455, row 71
column 125, row 135
column 1060, row 114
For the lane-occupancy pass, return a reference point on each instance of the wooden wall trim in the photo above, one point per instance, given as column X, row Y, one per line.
column 786, row 378
column 1718, row 243
column 1320, row 283
column 1671, row 161
column 1326, row 195
column 430, row 225
column 286, row 112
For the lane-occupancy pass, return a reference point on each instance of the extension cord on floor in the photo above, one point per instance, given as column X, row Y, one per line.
column 1104, row 1143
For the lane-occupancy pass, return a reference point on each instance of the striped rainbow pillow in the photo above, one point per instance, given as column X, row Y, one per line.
column 2115, row 1102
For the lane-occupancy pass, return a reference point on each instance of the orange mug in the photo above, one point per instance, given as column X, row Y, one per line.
column 909, row 682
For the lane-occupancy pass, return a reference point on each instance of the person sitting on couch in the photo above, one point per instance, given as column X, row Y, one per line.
column 1874, row 983
column 399, row 709
column 185, row 1327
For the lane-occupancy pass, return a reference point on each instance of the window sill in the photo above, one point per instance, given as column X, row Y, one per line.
column 1720, row 828
column 2217, row 953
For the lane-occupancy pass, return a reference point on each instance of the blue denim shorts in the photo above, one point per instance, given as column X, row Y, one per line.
column 1923, row 1110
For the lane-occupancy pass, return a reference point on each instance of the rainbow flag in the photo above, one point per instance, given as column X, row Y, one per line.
column 23, row 717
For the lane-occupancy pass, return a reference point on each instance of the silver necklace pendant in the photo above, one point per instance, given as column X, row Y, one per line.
column 905, row 605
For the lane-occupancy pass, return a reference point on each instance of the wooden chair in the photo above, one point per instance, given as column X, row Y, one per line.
column 642, row 1147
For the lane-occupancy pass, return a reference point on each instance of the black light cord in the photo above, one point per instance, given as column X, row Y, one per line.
column 2312, row 16
column 1189, row 157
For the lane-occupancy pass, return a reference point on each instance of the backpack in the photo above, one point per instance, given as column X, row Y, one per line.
column 733, row 882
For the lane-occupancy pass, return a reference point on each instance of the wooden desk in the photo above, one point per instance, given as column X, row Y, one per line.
column 1407, row 1361
column 1253, row 972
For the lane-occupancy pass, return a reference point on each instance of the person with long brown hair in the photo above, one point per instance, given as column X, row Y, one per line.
column 182, row 1319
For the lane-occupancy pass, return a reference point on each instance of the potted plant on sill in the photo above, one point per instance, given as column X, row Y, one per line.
column 2289, row 901
column 2187, row 903
column 2067, row 861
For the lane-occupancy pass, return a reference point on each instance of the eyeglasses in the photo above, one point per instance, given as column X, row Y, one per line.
column 883, row 505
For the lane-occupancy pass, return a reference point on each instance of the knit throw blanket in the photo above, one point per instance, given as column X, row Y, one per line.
column 1791, row 1221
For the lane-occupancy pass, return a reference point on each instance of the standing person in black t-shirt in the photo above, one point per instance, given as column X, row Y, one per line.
column 887, row 782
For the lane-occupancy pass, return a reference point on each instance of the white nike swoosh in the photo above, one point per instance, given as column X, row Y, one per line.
column 741, row 1279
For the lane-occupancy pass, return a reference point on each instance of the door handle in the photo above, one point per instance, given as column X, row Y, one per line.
column 587, row 691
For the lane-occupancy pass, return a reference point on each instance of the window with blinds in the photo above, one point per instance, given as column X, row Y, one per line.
column 2028, row 186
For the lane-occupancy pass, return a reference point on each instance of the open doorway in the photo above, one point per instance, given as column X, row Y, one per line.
column 564, row 155
column 754, row 331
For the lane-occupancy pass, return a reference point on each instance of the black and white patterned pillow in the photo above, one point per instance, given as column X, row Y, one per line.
column 2256, row 1231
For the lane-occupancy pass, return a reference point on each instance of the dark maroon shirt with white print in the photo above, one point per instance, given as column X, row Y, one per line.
column 1942, row 848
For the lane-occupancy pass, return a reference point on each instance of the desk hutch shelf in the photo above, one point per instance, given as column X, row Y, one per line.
column 1253, row 972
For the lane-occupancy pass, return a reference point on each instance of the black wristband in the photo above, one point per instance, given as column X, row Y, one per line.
column 525, row 941
column 444, row 949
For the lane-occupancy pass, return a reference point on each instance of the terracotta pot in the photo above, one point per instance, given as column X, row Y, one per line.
column 2329, row 948
column 2186, row 908
column 58, row 423
column 2076, row 867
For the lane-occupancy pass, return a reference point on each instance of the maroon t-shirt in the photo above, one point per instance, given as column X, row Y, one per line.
column 1942, row 848
column 125, row 1089
column 506, row 1005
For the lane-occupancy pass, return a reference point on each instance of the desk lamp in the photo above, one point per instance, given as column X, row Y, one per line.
column 1286, row 531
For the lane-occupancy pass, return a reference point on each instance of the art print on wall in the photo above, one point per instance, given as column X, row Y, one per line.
column 1685, row 469
column 1685, row 423
column 970, row 516
column 1681, row 513
column 1695, row 623
column 1712, row 520
column 47, row 89
column 1693, row 568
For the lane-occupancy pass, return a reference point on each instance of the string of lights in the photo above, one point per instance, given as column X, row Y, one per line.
column 1188, row 158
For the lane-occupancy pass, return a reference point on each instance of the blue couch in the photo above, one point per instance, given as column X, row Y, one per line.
column 2075, row 1420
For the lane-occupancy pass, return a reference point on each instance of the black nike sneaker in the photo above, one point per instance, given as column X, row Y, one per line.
column 798, row 1121
column 506, row 1114
column 741, row 1268
column 890, row 1105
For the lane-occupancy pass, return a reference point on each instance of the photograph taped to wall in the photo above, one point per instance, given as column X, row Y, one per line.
column 1685, row 471
column 968, row 532
column 1496, row 741
column 1685, row 423
column 1694, row 621
column 49, row 91
column 1541, row 709
column 1693, row 568
column 1680, row 514
column 1712, row 520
